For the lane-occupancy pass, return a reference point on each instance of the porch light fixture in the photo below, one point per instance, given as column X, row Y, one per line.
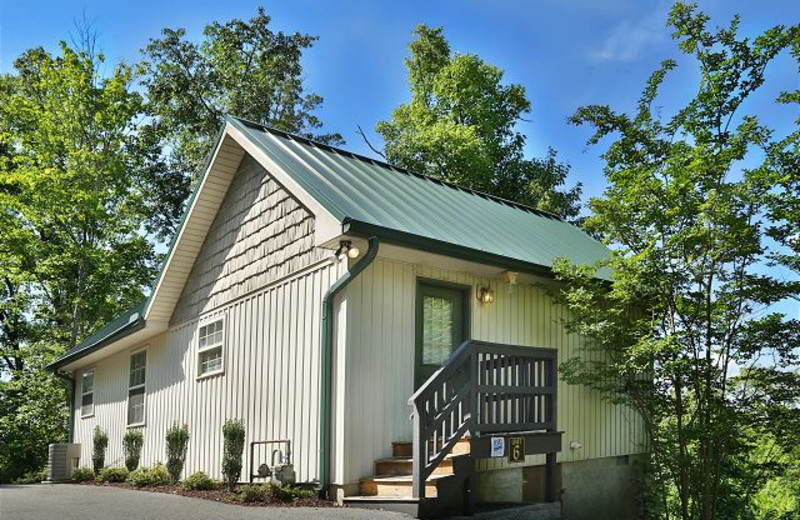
column 347, row 247
column 485, row 295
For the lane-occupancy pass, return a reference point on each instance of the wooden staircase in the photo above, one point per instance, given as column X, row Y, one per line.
column 391, row 487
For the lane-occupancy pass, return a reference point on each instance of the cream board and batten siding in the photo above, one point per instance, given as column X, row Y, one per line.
column 259, row 270
column 380, row 365
column 270, row 379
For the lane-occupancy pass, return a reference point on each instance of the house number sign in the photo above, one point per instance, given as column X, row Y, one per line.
column 516, row 449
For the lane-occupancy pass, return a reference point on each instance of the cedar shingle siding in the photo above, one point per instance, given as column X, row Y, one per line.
column 260, row 234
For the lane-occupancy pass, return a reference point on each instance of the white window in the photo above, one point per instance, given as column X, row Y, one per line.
column 209, row 348
column 136, row 382
column 87, row 394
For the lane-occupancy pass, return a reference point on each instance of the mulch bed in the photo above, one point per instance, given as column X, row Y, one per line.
column 217, row 495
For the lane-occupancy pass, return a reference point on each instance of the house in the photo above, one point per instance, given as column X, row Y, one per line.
column 393, row 327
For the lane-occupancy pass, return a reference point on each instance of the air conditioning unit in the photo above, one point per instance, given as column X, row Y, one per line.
column 63, row 458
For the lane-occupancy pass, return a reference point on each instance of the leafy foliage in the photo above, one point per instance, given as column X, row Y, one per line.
column 32, row 477
column 132, row 447
column 683, row 334
column 240, row 67
column 83, row 474
column 146, row 477
column 177, row 444
column 99, row 445
column 233, row 438
column 250, row 493
column 113, row 474
column 287, row 492
column 199, row 481
column 460, row 127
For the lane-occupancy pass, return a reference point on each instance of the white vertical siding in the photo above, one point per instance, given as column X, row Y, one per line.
column 270, row 379
column 380, row 364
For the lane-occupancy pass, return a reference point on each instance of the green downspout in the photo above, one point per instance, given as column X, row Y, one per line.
column 71, row 398
column 327, row 352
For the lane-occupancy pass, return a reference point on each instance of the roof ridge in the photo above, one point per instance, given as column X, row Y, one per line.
column 398, row 169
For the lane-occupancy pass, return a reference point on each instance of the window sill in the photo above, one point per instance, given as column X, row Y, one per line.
column 87, row 416
column 210, row 374
column 137, row 425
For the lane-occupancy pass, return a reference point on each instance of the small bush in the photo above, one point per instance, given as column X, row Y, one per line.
column 199, row 482
column 83, row 474
column 287, row 492
column 155, row 476
column 132, row 443
column 100, row 440
column 253, row 493
column 233, row 434
column 177, row 442
column 32, row 477
column 114, row 474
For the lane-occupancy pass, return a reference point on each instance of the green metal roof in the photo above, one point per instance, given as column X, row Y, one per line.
column 372, row 197
column 128, row 322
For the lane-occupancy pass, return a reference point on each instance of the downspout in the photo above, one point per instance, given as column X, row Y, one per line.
column 327, row 354
column 71, row 398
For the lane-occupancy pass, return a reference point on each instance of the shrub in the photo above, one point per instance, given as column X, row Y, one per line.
column 32, row 477
column 114, row 474
column 252, row 493
column 287, row 492
column 132, row 447
column 199, row 482
column 82, row 474
column 100, row 440
column 233, row 434
column 177, row 442
column 155, row 476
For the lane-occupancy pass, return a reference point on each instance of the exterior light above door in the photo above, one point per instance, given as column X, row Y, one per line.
column 485, row 295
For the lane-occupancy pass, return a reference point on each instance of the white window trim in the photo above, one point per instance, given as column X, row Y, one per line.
column 94, row 382
column 136, row 387
column 220, row 346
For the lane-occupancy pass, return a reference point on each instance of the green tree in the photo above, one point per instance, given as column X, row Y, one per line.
column 240, row 67
column 460, row 126
column 684, row 333
column 75, row 194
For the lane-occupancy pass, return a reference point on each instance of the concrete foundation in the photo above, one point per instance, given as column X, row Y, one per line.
column 596, row 489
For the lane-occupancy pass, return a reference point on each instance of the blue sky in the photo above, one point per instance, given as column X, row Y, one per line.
column 566, row 53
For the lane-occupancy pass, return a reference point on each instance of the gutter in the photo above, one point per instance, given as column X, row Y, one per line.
column 70, row 381
column 327, row 354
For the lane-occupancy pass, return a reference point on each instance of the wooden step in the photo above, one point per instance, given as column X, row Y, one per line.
column 405, row 449
column 404, row 466
column 398, row 485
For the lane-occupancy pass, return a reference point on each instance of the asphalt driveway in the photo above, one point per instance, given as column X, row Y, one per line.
column 75, row 502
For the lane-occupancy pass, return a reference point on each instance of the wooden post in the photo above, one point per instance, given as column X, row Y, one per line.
column 550, row 478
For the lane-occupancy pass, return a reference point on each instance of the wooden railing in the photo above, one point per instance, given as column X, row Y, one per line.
column 483, row 388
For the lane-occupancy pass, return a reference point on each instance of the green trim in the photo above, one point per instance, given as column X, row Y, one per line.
column 444, row 289
column 433, row 245
column 327, row 354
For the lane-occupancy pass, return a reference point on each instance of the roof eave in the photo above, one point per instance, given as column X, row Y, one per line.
column 433, row 245
column 124, row 331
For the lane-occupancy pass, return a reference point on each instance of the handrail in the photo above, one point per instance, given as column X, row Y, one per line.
column 481, row 388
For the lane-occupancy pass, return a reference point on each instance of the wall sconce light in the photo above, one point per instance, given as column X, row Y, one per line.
column 346, row 247
column 575, row 445
column 484, row 294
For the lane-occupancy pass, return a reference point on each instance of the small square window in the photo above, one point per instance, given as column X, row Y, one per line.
column 209, row 345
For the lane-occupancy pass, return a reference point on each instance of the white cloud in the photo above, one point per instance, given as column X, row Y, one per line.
column 629, row 39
